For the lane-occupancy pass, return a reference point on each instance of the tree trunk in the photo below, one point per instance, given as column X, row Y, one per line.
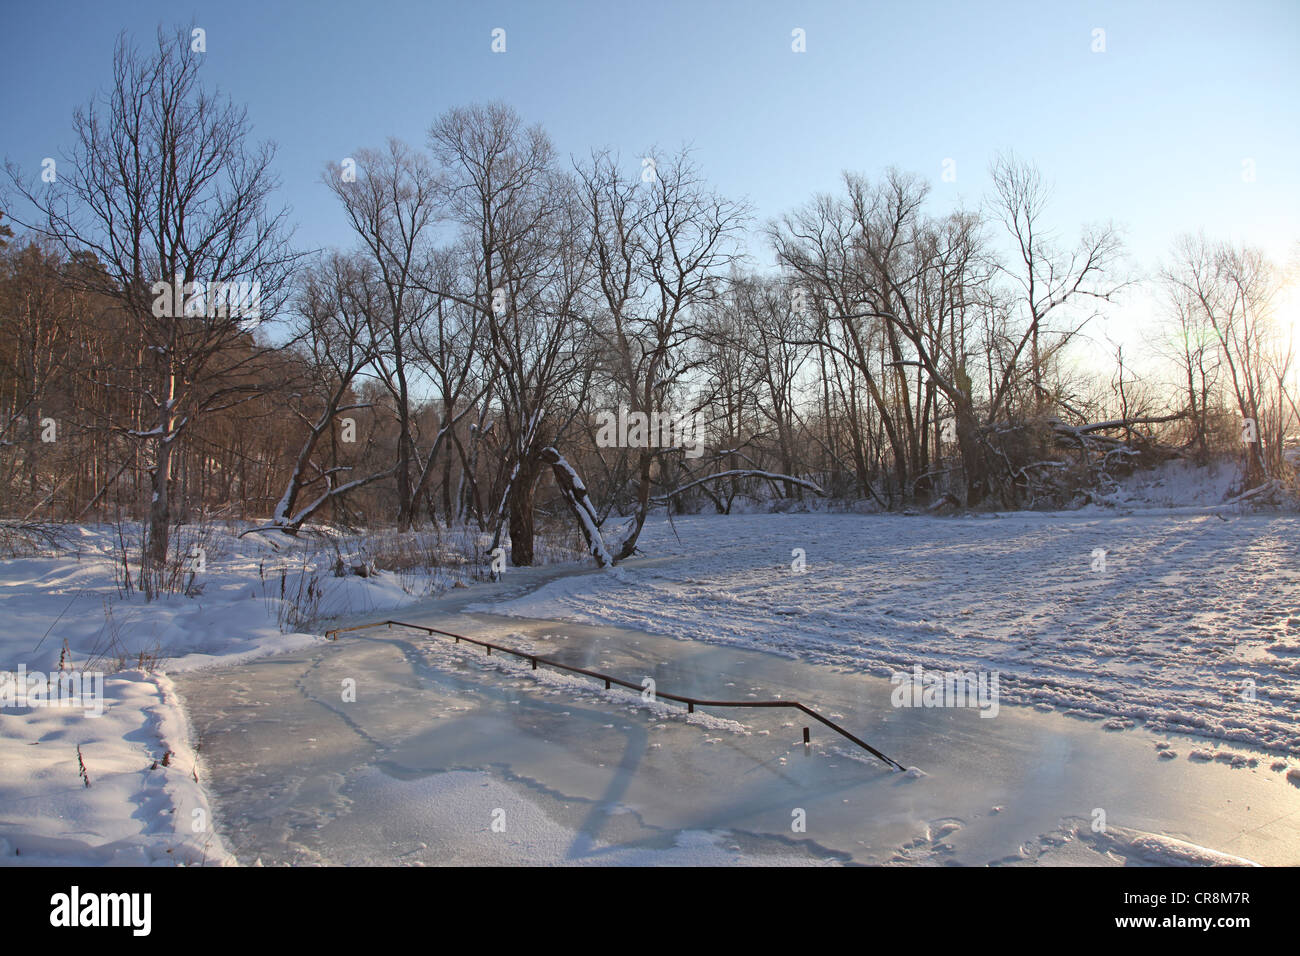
column 160, row 481
column 580, row 505
column 628, row 545
column 522, row 491
column 972, row 456
column 159, row 505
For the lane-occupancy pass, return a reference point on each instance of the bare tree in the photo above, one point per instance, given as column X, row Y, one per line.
column 1194, row 350
column 1046, row 278
column 778, row 326
column 392, row 202
column 1233, row 288
column 662, row 243
column 819, row 246
column 447, row 344
column 529, row 274
column 339, row 297
column 162, row 188
column 892, row 291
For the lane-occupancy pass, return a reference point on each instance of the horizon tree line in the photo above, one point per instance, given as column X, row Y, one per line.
column 496, row 300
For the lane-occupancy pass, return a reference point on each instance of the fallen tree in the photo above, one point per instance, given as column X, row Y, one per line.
column 1048, row 460
column 575, row 495
column 742, row 473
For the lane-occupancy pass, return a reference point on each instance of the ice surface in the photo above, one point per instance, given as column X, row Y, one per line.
column 441, row 737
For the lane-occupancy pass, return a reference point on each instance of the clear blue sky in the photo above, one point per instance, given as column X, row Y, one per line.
column 1151, row 132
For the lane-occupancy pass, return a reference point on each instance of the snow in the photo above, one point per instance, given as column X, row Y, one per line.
column 135, row 811
column 1139, row 673
column 1174, row 486
column 1077, row 843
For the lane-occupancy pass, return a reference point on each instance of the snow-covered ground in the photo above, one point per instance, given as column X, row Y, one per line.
column 1186, row 631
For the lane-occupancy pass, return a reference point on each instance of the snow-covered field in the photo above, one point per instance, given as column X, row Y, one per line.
column 1189, row 625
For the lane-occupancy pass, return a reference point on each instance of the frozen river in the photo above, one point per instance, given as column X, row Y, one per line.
column 448, row 756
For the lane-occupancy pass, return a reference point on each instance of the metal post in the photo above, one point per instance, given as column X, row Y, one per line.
column 805, row 737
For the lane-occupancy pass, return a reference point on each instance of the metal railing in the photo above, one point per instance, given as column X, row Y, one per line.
column 690, row 702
